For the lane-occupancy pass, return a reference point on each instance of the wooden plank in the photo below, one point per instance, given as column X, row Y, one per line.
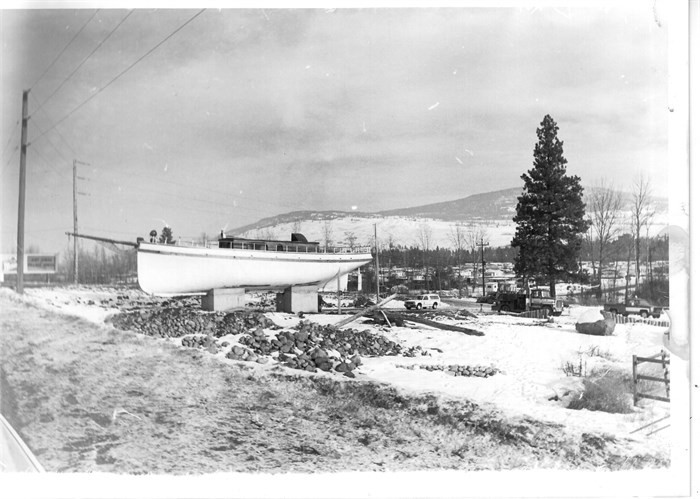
column 658, row 429
column 361, row 313
column 651, row 378
column 652, row 360
column 653, row 397
column 435, row 324
column 634, row 380
column 650, row 424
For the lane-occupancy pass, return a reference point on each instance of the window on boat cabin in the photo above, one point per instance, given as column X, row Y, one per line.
column 259, row 246
column 237, row 245
column 280, row 247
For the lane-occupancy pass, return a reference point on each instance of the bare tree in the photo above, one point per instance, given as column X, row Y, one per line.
column 425, row 238
column 642, row 214
column 388, row 246
column 604, row 206
column 327, row 233
column 458, row 237
column 268, row 233
column 473, row 237
column 350, row 239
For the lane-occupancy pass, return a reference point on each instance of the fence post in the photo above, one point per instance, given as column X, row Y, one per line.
column 634, row 380
column 664, row 366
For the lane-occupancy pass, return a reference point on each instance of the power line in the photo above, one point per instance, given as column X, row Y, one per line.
column 57, row 131
column 181, row 197
column 65, row 117
column 64, row 49
column 60, row 155
column 84, row 61
column 12, row 136
column 205, row 189
column 53, row 168
column 9, row 160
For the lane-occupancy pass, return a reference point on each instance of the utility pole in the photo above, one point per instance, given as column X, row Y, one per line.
column 22, row 188
column 75, row 215
column 75, row 221
column 483, row 267
column 376, row 260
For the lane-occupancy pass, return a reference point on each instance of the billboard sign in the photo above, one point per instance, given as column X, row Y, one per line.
column 33, row 264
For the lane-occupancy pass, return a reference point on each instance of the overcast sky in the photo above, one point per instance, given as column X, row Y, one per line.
column 249, row 113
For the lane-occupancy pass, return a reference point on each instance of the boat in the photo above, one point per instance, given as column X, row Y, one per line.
column 250, row 264
column 15, row 455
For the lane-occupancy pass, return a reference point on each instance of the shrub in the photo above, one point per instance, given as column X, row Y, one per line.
column 596, row 351
column 574, row 369
column 607, row 392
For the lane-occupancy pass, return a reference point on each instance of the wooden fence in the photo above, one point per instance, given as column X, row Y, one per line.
column 633, row 319
column 541, row 313
column 660, row 358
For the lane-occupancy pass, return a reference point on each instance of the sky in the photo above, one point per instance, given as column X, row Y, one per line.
column 247, row 113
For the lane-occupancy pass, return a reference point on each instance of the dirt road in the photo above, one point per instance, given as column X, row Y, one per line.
column 90, row 398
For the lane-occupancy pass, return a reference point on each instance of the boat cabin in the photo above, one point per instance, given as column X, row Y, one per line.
column 297, row 244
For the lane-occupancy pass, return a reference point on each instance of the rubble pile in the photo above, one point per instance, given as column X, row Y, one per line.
column 312, row 346
column 176, row 322
column 241, row 353
column 456, row 370
column 308, row 346
column 203, row 341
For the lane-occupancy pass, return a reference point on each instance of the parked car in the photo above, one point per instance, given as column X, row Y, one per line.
column 487, row 298
column 634, row 306
column 423, row 301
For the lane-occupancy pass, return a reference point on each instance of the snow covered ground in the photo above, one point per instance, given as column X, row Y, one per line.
column 530, row 354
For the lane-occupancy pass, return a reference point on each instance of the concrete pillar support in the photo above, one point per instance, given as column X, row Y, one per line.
column 219, row 300
column 298, row 299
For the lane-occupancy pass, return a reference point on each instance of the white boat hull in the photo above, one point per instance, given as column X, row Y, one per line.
column 179, row 270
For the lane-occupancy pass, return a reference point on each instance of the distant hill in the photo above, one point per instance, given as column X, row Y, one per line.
column 496, row 205
column 492, row 211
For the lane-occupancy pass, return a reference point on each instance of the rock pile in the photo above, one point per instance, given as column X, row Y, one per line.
column 175, row 322
column 312, row 346
column 308, row 346
column 202, row 341
column 241, row 353
column 456, row 370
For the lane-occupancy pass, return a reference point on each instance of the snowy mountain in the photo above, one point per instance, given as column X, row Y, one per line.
column 491, row 212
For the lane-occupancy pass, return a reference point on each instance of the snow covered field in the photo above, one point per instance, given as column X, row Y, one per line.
column 530, row 354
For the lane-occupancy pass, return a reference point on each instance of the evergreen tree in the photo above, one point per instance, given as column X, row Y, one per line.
column 550, row 215
column 166, row 236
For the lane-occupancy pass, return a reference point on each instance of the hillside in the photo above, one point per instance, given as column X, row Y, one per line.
column 496, row 205
column 491, row 211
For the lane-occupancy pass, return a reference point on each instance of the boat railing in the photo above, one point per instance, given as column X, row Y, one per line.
column 275, row 246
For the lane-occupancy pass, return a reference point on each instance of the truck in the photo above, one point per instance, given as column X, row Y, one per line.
column 517, row 301
column 635, row 306
column 423, row 301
